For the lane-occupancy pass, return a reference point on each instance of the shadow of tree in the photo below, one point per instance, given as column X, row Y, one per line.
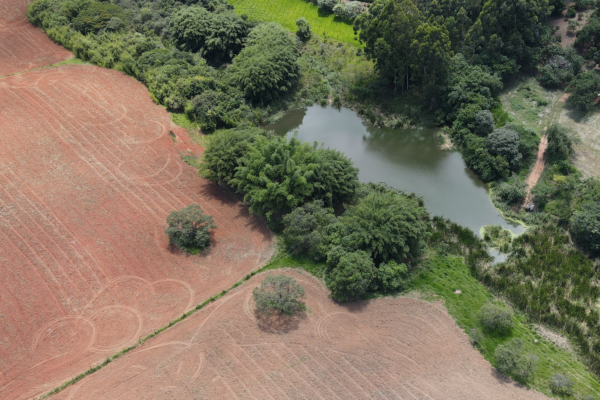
column 279, row 323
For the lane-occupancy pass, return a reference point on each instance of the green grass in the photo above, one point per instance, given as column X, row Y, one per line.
column 442, row 276
column 286, row 12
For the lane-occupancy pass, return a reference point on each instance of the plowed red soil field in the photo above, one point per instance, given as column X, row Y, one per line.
column 89, row 169
column 389, row 348
column 22, row 45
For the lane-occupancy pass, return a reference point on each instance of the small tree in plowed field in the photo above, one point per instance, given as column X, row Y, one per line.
column 189, row 229
column 279, row 293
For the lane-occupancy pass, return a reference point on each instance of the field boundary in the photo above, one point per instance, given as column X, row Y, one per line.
column 144, row 339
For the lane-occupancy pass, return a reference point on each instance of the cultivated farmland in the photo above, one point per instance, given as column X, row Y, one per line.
column 89, row 169
column 386, row 348
column 23, row 46
column 286, row 12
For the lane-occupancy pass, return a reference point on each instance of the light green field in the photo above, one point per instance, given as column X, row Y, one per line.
column 286, row 12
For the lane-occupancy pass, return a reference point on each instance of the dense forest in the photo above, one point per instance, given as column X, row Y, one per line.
column 231, row 74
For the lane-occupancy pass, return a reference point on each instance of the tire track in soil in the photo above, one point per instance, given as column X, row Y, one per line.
column 77, row 222
column 355, row 363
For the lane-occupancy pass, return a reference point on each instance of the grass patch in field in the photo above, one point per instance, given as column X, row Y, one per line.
column 442, row 276
column 286, row 12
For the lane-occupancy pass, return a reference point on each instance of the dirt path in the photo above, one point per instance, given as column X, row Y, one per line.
column 537, row 170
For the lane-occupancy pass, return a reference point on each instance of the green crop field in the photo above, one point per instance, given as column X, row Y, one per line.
column 286, row 12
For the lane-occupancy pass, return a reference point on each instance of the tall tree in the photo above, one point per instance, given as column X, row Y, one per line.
column 431, row 51
column 388, row 31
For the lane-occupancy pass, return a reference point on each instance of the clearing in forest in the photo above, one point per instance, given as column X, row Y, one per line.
column 286, row 12
column 384, row 348
column 23, row 46
column 90, row 168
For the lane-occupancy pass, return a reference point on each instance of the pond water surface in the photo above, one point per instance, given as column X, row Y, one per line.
column 407, row 159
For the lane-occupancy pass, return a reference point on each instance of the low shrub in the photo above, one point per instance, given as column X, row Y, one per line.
column 279, row 293
column 561, row 384
column 495, row 318
column 512, row 360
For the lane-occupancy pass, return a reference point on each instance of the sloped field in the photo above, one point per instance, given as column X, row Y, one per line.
column 389, row 348
column 23, row 46
column 89, row 169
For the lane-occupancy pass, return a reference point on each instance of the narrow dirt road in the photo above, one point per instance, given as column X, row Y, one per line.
column 537, row 170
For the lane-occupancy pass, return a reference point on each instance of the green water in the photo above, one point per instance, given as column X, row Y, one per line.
column 407, row 159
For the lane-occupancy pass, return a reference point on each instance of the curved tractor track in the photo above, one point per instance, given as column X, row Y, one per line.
column 388, row 348
column 90, row 168
column 23, row 46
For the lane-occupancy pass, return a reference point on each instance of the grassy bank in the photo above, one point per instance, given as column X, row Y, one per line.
column 286, row 12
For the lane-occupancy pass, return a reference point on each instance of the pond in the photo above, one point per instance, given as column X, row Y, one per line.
column 407, row 159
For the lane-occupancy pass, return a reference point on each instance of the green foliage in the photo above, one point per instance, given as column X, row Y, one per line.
column 484, row 123
column 303, row 32
column 505, row 142
column 349, row 10
column 560, row 145
column 585, row 226
column 497, row 237
column 584, row 90
column 327, row 5
column 589, row 35
column 561, row 384
column 279, row 293
column 305, row 231
column 386, row 224
column 511, row 360
column 496, row 319
column 352, row 276
column 96, row 16
column 218, row 37
column 268, row 65
column 390, row 276
column 571, row 13
column 223, row 152
column 216, row 109
column 189, row 228
column 557, row 70
column 511, row 192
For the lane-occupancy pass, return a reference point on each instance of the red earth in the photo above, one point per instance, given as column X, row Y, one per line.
column 388, row 348
column 23, row 46
column 90, row 168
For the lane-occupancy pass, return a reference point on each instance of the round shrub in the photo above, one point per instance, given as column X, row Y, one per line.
column 511, row 192
column 571, row 13
column 351, row 277
column 304, row 31
column 495, row 318
column 279, row 293
column 561, row 384
column 484, row 123
column 512, row 360
column 189, row 229
column 305, row 229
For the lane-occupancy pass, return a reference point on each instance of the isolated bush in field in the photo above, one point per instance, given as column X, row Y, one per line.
column 279, row 293
column 305, row 229
column 352, row 275
column 189, row 229
column 560, row 145
column 495, row 318
column 512, row 360
column 561, row 384
column 584, row 90
column 484, row 123
column 304, row 32
column 585, row 226
column 268, row 66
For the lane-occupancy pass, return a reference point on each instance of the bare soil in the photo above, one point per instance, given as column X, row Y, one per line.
column 90, row 168
column 23, row 46
column 400, row 348
column 562, row 22
column 538, row 168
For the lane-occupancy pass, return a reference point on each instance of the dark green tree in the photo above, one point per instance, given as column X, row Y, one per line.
column 512, row 360
column 560, row 145
column 504, row 142
column 305, row 231
column 221, row 157
column 484, row 123
column 387, row 225
column 430, row 52
column 279, row 293
column 217, row 36
column 268, row 66
column 189, row 228
column 585, row 226
column 495, row 318
column 96, row 16
column 215, row 109
column 352, row 276
column 388, row 31
column 390, row 276
column 584, row 90
column 303, row 32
